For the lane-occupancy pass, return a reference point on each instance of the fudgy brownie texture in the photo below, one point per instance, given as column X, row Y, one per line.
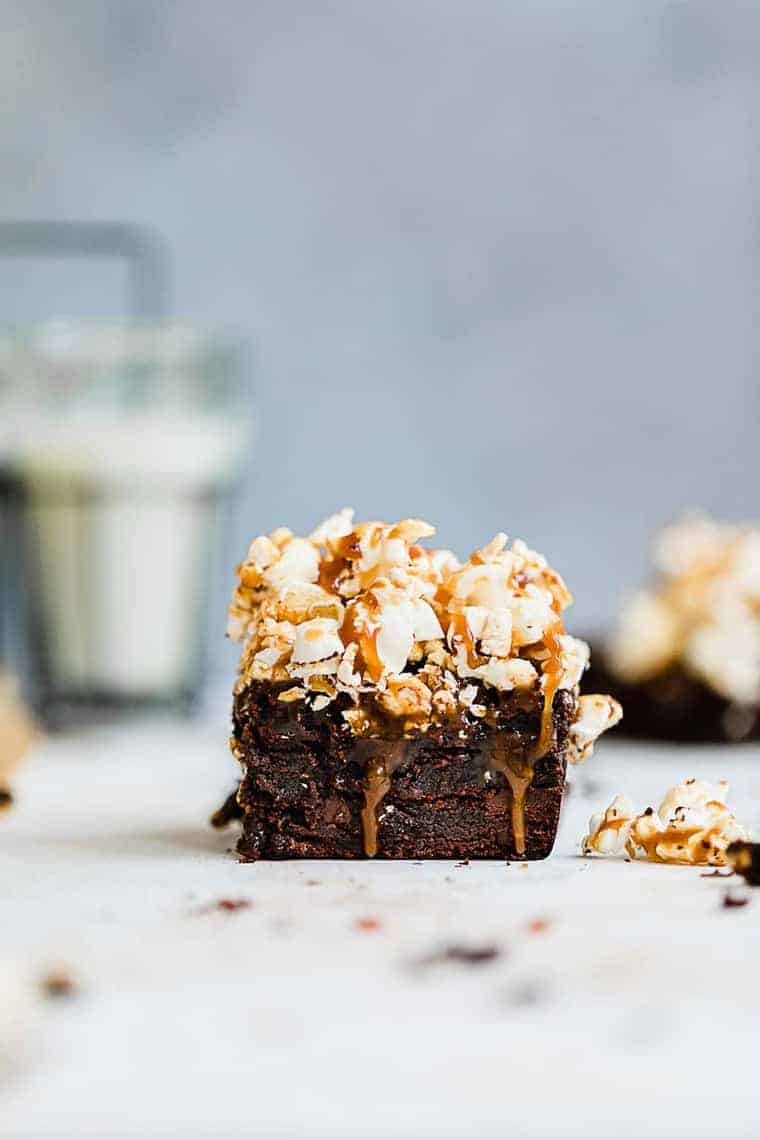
column 305, row 776
column 673, row 706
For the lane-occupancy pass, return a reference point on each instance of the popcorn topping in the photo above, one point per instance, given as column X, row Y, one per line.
column 692, row 825
column 702, row 613
column 366, row 610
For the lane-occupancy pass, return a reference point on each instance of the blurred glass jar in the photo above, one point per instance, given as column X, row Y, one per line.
column 120, row 451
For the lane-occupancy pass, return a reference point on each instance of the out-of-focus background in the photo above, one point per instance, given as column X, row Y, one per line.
column 491, row 264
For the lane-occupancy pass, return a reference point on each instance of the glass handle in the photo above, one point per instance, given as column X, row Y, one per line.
column 142, row 247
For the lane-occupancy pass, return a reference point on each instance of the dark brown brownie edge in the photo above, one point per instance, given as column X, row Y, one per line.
column 303, row 784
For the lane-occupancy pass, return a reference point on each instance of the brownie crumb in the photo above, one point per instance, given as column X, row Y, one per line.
column 463, row 863
column 462, row 955
column 368, row 924
column 59, row 983
column 539, row 925
column 233, row 904
column 6, row 799
column 745, row 859
column 227, row 905
column 229, row 811
column 734, row 898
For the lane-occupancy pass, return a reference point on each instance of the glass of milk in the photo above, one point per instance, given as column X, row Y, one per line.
column 124, row 447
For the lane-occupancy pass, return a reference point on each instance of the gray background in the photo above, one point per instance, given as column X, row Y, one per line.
column 499, row 261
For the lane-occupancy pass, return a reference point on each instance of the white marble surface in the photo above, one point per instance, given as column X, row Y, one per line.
column 635, row 1012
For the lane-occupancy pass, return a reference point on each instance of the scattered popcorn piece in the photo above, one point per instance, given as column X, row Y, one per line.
column 692, row 825
column 596, row 713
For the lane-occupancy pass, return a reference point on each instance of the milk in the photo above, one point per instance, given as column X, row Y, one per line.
column 121, row 515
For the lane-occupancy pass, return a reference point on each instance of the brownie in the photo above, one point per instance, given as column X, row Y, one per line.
column 311, row 789
column 673, row 706
column 394, row 702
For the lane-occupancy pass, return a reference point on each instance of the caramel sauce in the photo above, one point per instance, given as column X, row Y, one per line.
column 552, row 674
column 347, row 547
column 343, row 550
column 443, row 596
column 616, row 824
column 377, row 783
column 680, row 838
column 458, row 624
column 330, row 570
column 518, row 772
column 317, row 683
column 367, row 659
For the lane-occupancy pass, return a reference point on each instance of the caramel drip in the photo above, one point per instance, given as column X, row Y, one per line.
column 518, row 773
column 367, row 658
column 329, row 572
column 347, row 547
column 377, row 783
column 342, row 550
column 552, row 678
column 459, row 627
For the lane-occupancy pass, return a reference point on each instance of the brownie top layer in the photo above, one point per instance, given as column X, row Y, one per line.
column 701, row 614
column 406, row 634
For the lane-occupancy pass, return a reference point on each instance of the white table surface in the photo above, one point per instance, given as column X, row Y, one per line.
column 634, row 1013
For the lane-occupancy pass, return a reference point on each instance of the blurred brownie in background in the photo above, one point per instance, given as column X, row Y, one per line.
column 685, row 656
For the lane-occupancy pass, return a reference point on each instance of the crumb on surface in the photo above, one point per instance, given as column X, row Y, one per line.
column 226, row 905
column 229, row 811
column 539, row 925
column 735, row 897
column 59, row 983
column 464, row 954
column 368, row 924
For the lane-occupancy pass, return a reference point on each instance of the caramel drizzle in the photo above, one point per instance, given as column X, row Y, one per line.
column 552, row 678
column 367, row 659
column 377, row 784
column 518, row 775
column 679, row 838
column 458, row 628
